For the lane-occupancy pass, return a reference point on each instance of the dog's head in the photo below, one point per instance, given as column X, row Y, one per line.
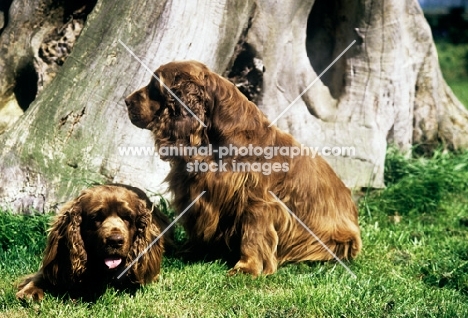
column 187, row 104
column 174, row 104
column 109, row 219
column 103, row 230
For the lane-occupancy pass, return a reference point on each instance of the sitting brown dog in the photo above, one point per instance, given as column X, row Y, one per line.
column 187, row 105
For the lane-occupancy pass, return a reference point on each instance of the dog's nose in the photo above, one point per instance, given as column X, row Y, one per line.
column 115, row 240
column 127, row 101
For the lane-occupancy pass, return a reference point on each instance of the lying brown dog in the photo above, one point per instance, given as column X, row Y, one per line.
column 94, row 238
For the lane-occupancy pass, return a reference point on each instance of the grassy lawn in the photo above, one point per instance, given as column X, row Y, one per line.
column 453, row 59
column 414, row 263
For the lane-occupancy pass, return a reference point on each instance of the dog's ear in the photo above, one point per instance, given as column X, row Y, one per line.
column 145, row 247
column 65, row 255
column 184, row 112
column 233, row 116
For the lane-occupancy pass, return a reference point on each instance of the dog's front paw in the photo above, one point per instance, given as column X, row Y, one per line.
column 30, row 291
column 246, row 267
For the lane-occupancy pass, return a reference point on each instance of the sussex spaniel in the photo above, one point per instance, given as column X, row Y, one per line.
column 238, row 214
column 92, row 241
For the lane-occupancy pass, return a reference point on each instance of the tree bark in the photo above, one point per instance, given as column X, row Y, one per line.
column 26, row 64
column 69, row 137
column 386, row 88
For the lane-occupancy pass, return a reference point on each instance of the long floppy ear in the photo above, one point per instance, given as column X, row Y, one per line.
column 234, row 119
column 65, row 256
column 175, row 119
column 148, row 252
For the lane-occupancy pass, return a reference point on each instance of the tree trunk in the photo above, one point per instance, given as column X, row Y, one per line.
column 33, row 45
column 386, row 88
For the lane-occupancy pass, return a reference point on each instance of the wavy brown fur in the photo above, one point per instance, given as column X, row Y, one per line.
column 237, row 214
column 115, row 221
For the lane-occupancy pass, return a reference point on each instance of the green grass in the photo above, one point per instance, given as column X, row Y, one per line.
column 414, row 263
column 453, row 60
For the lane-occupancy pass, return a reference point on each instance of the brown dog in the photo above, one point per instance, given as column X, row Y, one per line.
column 94, row 238
column 238, row 213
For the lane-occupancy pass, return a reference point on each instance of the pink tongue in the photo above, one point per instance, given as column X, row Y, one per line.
column 112, row 262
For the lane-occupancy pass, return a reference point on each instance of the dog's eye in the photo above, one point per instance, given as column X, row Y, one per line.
column 127, row 218
column 96, row 218
column 153, row 93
